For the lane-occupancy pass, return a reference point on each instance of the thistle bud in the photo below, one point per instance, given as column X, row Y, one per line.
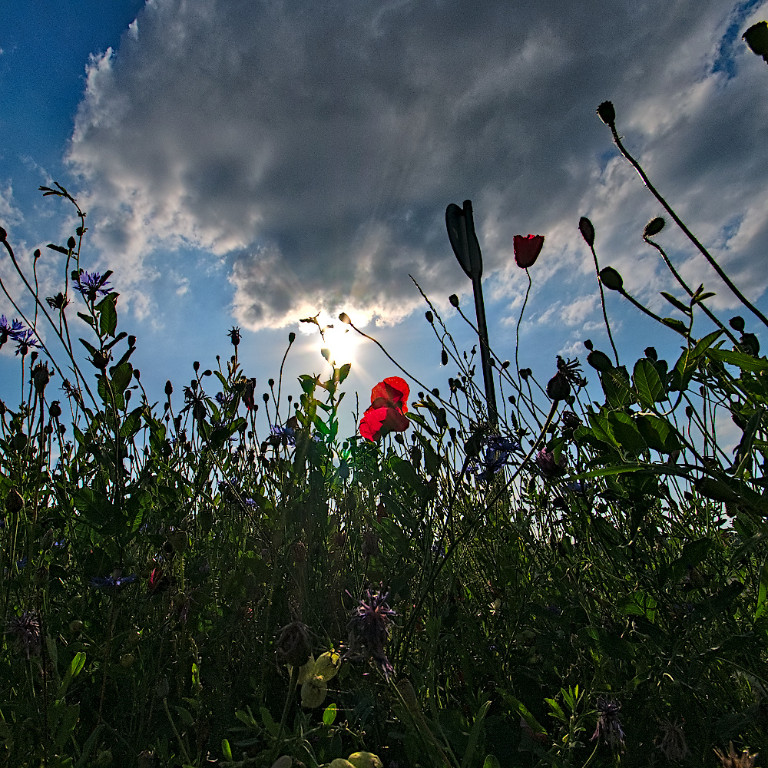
column 587, row 231
column 607, row 113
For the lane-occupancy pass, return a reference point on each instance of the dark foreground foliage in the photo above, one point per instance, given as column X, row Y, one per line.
column 220, row 578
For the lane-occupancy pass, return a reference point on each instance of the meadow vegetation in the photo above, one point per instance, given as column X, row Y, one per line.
column 215, row 576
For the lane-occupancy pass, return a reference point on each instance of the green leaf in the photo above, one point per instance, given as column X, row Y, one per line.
column 739, row 359
column 675, row 325
column 626, row 434
column 121, row 377
column 762, row 595
column 648, row 384
column 657, row 433
column 329, row 714
column 226, row 750
column 491, row 761
column 107, row 315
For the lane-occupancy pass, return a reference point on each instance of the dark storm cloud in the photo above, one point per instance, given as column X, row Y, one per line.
column 316, row 145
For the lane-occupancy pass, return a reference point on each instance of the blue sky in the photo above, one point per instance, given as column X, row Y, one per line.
column 251, row 163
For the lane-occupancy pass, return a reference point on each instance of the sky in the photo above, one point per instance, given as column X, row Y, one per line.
column 253, row 162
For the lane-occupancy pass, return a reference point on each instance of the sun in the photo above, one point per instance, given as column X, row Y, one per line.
column 337, row 341
column 341, row 342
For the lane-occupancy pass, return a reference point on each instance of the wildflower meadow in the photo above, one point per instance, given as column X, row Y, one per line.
column 573, row 575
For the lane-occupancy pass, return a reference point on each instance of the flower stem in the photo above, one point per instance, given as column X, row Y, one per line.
column 704, row 252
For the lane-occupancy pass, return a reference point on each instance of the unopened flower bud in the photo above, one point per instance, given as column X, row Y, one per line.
column 293, row 645
column 558, row 387
column 344, row 317
column 587, row 231
column 653, row 227
column 611, row 279
column 454, row 299
column 607, row 113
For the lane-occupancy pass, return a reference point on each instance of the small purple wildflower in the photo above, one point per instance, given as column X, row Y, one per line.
column 608, row 725
column 112, row 582
column 549, row 466
column 26, row 630
column 93, row 284
column 284, row 435
column 370, row 627
column 496, row 456
column 25, row 340
column 9, row 331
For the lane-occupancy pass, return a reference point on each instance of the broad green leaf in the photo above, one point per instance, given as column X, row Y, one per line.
column 648, row 384
column 739, row 359
column 329, row 714
column 657, row 433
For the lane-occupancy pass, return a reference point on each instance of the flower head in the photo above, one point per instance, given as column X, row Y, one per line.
column 369, row 628
column 549, row 465
column 608, row 725
column 527, row 249
column 112, row 583
column 26, row 630
column 9, row 330
column 25, row 340
column 92, row 284
column 387, row 410
column 497, row 455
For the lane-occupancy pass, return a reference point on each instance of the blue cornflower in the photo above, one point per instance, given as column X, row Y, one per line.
column 112, row 582
column 25, row 340
column 497, row 455
column 284, row 435
column 369, row 629
column 93, row 284
column 9, row 331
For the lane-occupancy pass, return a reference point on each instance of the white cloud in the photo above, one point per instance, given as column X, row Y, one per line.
column 316, row 145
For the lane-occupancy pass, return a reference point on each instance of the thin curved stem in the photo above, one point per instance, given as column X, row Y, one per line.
column 687, row 232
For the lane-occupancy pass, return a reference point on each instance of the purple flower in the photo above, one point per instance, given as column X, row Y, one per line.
column 9, row 331
column 497, row 455
column 93, row 284
column 112, row 582
column 369, row 629
column 608, row 725
column 549, row 466
column 25, row 340
column 26, row 630
column 284, row 435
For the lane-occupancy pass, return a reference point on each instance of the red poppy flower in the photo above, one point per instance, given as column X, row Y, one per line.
column 387, row 410
column 527, row 249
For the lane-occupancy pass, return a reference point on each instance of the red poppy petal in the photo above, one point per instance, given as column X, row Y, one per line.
column 395, row 421
column 372, row 422
column 527, row 249
column 394, row 389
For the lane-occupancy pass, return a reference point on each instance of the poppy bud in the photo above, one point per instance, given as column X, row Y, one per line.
column 3, row 235
column 454, row 299
column 611, row 279
column 71, row 243
column 430, row 317
column 168, row 388
column 291, row 337
column 653, row 227
column 344, row 317
column 607, row 113
column 444, row 357
column 587, row 231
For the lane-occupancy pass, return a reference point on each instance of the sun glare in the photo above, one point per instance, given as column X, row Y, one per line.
column 336, row 337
